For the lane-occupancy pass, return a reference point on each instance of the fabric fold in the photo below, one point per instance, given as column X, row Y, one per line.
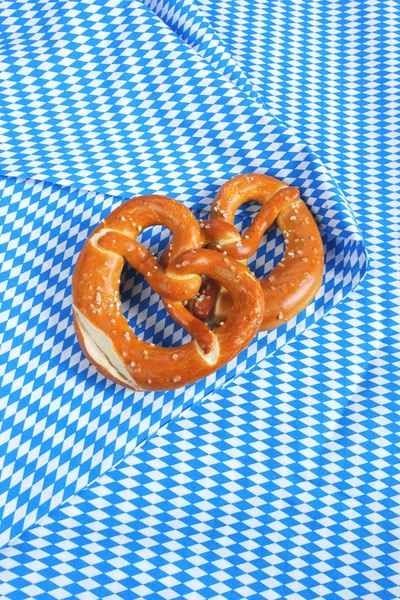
column 101, row 102
column 111, row 100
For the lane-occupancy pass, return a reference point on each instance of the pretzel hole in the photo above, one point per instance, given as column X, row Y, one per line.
column 141, row 306
column 272, row 246
column 145, row 312
column 155, row 239
column 245, row 214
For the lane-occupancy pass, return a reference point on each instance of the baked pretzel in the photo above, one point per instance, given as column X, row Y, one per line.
column 105, row 335
column 295, row 280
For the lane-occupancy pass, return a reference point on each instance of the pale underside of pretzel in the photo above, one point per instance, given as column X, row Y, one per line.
column 294, row 281
column 103, row 331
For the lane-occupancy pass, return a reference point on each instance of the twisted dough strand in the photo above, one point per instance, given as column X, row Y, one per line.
column 293, row 283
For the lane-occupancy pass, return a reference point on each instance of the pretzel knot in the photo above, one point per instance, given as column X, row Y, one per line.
column 105, row 335
column 295, row 280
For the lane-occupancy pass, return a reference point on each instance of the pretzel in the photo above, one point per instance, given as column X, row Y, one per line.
column 105, row 335
column 295, row 280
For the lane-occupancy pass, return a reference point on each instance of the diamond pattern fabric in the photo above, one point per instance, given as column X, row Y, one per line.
column 283, row 482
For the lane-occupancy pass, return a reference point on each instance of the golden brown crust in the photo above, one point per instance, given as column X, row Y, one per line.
column 230, row 296
column 294, row 282
column 104, row 333
column 81, row 340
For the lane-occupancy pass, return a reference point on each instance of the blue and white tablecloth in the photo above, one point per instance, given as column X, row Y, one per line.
column 282, row 478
